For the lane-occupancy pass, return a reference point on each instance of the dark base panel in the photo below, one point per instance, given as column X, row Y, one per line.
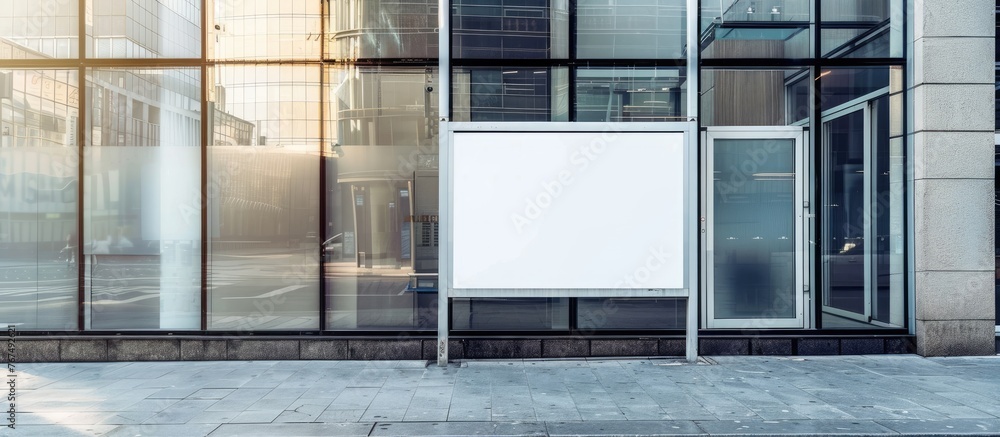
column 29, row 349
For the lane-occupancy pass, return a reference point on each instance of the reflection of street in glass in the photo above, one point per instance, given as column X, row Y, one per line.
column 264, row 288
column 376, row 298
column 38, row 290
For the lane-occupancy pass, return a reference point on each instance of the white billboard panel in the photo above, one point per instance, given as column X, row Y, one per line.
column 558, row 210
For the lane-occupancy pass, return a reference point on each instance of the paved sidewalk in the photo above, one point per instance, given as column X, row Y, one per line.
column 746, row 395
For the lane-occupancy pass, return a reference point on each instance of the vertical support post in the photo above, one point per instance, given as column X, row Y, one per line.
column 444, row 178
column 323, row 143
column 691, row 135
column 82, row 138
column 207, row 126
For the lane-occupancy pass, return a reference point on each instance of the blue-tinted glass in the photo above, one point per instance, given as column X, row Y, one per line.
column 509, row 94
column 754, row 225
column 861, row 28
column 630, row 94
column 530, row 314
column 756, row 29
column 844, row 213
column 630, row 313
column 846, row 84
column 630, row 29
column 509, row 29
column 862, row 188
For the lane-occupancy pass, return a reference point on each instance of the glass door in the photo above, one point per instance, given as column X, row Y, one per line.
column 846, row 260
column 861, row 205
column 754, row 227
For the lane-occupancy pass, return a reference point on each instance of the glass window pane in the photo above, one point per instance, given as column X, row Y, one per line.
column 754, row 225
column 383, row 29
column 264, row 199
column 630, row 313
column 147, row 29
column 631, row 29
column 862, row 28
column 510, row 94
column 756, row 29
column 845, row 85
column 142, row 220
column 38, row 199
column 502, row 314
column 630, row 94
column 862, row 196
column 755, row 97
column 510, row 29
column 264, row 29
column 381, row 241
column 39, row 30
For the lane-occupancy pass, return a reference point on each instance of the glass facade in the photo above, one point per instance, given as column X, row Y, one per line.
column 141, row 226
column 28, row 31
column 265, row 166
column 263, row 217
column 862, row 193
column 128, row 29
column 381, row 237
column 753, row 29
column 631, row 29
column 39, row 113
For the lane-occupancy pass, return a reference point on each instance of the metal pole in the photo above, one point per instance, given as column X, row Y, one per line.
column 444, row 177
column 693, row 52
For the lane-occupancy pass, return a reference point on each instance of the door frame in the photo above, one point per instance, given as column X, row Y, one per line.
column 800, row 206
column 852, row 107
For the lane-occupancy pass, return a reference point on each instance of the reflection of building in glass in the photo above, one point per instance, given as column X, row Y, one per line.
column 384, row 204
column 145, row 29
column 504, row 29
column 383, row 29
column 48, row 29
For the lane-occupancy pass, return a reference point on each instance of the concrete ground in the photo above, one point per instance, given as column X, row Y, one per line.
column 745, row 395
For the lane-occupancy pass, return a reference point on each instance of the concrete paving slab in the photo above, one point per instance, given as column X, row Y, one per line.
column 128, row 418
column 266, row 416
column 181, row 412
column 335, row 416
column 293, row 429
column 443, row 429
column 792, row 427
column 383, row 415
column 426, row 415
column 623, row 428
column 61, row 430
column 214, row 417
column 187, row 430
column 981, row 427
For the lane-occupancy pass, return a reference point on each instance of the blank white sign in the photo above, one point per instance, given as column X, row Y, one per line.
column 557, row 210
